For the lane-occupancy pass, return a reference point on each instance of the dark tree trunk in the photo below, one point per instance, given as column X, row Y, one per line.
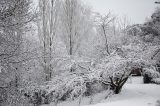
column 117, row 90
column 116, row 85
column 147, row 79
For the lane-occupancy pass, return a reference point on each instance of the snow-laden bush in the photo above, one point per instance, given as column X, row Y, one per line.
column 149, row 74
column 67, row 86
column 111, row 72
column 115, row 70
column 116, row 66
column 152, row 73
column 156, row 80
column 74, row 87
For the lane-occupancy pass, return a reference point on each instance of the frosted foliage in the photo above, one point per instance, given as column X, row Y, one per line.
column 69, row 87
column 75, row 62
column 117, row 66
column 60, row 50
column 152, row 73
column 156, row 80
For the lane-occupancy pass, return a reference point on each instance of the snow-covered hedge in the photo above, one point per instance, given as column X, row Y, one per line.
column 68, row 86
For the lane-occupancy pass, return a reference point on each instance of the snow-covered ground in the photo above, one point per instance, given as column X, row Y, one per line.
column 134, row 93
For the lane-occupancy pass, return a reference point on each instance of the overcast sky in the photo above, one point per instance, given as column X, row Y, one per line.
column 136, row 10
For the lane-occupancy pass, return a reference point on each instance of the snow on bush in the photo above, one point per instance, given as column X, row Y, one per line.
column 67, row 86
column 152, row 73
column 116, row 66
column 144, row 51
column 111, row 71
column 156, row 80
column 115, row 70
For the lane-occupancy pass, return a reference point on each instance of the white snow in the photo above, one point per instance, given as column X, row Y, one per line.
column 134, row 93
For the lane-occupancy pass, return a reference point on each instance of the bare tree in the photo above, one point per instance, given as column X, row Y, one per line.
column 123, row 23
column 47, row 30
column 15, row 16
column 75, row 21
column 103, row 23
column 15, row 19
column 123, row 27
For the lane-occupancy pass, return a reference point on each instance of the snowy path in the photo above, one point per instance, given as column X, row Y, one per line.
column 134, row 94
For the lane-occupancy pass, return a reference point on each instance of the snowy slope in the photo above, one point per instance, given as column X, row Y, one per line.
column 134, row 93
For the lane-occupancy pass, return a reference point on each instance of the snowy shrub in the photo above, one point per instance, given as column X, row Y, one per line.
column 156, row 80
column 34, row 94
column 149, row 74
column 94, row 87
column 63, row 88
column 74, row 88
column 84, row 85
column 111, row 72
column 59, row 89
column 115, row 70
column 94, row 84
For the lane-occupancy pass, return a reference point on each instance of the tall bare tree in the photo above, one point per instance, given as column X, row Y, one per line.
column 75, row 21
column 47, row 30
column 103, row 23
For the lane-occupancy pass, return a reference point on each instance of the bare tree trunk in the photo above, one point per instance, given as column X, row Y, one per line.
column 106, row 40
column 118, row 84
